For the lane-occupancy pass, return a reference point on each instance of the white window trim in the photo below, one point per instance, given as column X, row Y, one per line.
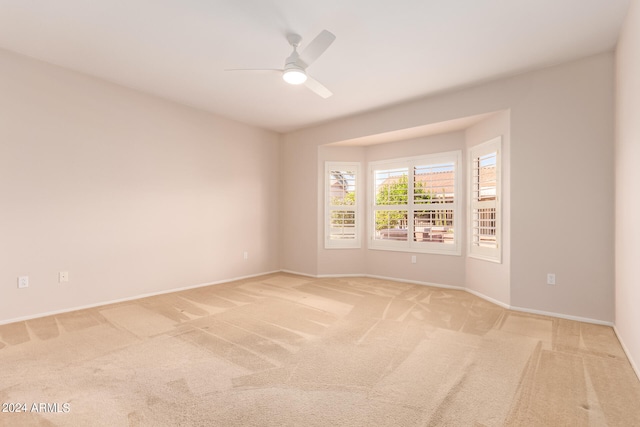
column 410, row 245
column 342, row 244
column 486, row 254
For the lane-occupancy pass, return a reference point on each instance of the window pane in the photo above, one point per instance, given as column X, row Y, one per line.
column 484, row 227
column 484, row 177
column 342, row 225
column 434, row 183
column 391, row 225
column 342, row 188
column 392, row 186
column 433, row 226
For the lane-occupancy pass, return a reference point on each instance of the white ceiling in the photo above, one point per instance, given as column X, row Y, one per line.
column 386, row 51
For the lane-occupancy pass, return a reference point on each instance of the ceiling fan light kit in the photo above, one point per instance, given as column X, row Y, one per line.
column 294, row 76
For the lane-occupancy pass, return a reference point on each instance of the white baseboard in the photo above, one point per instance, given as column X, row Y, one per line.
column 99, row 304
column 297, row 273
column 635, row 367
column 416, row 282
column 460, row 288
column 330, row 276
column 486, row 298
column 562, row 316
column 373, row 276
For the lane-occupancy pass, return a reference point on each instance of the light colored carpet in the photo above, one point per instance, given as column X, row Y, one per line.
column 285, row 350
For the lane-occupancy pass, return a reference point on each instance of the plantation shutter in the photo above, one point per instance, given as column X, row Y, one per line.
column 341, row 214
column 485, row 201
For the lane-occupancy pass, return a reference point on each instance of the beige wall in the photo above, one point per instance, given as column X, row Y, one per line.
column 298, row 212
column 628, row 186
column 561, row 127
column 128, row 193
column 562, row 176
column 135, row 195
column 490, row 279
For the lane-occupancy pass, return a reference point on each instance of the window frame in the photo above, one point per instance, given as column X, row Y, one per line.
column 476, row 251
column 410, row 245
column 356, row 242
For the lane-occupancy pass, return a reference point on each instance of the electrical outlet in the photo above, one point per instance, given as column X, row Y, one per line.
column 551, row 279
column 245, row 255
column 413, row 259
column 63, row 276
column 23, row 281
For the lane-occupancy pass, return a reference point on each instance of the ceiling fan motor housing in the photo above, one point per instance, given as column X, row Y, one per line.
column 294, row 73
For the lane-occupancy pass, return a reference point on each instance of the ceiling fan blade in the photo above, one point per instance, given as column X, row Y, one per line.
column 255, row 69
column 317, row 87
column 316, row 48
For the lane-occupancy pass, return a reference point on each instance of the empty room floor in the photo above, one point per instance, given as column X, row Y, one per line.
column 281, row 349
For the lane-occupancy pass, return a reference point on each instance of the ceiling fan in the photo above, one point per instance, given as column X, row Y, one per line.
column 295, row 66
